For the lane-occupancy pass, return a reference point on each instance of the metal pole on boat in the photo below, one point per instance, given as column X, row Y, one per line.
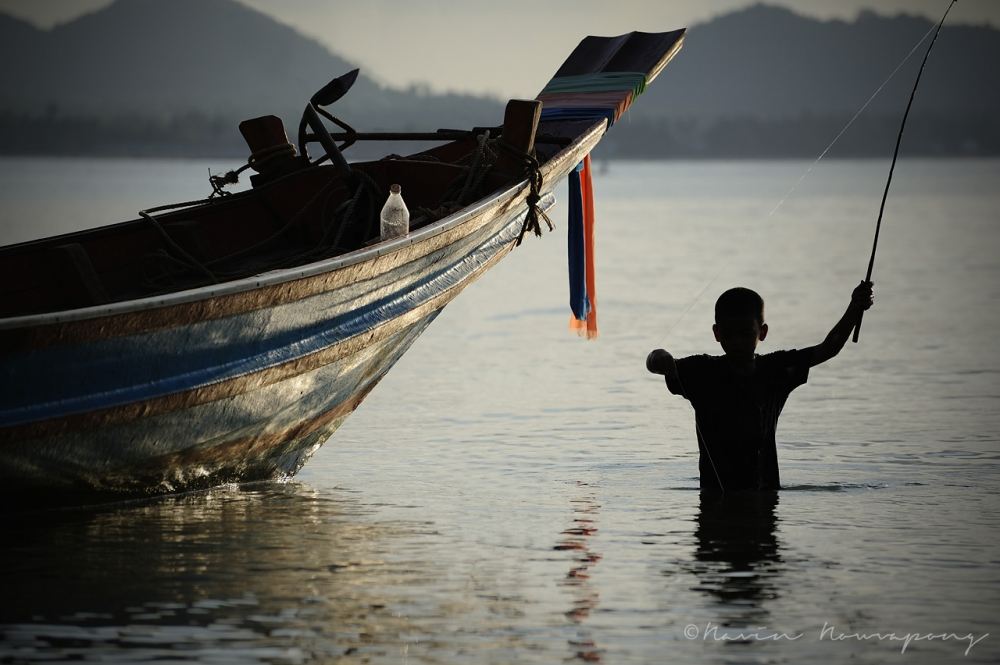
column 329, row 145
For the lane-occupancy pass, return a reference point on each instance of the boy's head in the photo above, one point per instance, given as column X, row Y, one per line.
column 739, row 321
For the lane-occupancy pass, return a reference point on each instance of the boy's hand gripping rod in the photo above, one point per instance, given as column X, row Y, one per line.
column 895, row 154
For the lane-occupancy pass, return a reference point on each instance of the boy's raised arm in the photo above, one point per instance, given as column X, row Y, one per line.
column 862, row 299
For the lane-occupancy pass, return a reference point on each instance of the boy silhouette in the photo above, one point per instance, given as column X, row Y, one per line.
column 737, row 397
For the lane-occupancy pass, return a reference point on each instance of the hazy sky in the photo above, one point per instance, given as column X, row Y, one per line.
column 508, row 48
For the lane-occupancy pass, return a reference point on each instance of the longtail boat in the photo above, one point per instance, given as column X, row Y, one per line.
column 225, row 340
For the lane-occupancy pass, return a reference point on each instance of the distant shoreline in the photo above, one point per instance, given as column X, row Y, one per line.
column 238, row 160
column 738, row 137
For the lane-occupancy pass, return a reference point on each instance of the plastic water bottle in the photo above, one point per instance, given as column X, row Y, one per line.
column 395, row 215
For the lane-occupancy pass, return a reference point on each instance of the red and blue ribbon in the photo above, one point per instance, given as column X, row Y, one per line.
column 580, row 240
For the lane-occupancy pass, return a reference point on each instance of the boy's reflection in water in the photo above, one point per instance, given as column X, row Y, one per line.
column 737, row 555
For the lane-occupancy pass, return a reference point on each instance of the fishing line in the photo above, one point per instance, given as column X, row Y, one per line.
column 701, row 434
column 851, row 122
column 823, row 154
column 934, row 29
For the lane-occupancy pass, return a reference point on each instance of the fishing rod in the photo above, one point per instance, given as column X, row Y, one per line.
column 895, row 154
column 826, row 150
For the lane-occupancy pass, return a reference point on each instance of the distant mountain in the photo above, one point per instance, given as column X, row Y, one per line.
column 19, row 50
column 149, row 56
column 156, row 59
column 770, row 62
column 767, row 81
column 159, row 77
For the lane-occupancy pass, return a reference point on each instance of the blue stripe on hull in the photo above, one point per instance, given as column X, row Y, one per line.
column 56, row 382
column 266, row 433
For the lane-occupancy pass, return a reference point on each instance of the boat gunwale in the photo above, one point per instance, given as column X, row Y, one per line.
column 280, row 276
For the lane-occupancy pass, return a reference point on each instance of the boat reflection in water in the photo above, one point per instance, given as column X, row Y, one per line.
column 577, row 540
column 276, row 572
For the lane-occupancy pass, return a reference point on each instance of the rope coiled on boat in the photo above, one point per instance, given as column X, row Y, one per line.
column 533, row 174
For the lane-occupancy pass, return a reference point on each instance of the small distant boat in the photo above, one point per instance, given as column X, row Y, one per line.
column 225, row 340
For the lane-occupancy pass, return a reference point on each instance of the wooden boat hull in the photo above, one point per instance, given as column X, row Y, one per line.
column 247, row 377
column 237, row 383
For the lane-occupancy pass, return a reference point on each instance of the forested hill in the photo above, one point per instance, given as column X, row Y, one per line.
column 766, row 81
column 174, row 78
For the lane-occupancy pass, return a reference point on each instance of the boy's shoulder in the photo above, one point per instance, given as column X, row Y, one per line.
column 701, row 360
column 700, row 357
column 782, row 362
column 776, row 357
column 786, row 370
column 785, row 357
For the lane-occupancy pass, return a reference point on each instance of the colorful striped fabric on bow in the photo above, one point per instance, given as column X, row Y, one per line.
column 580, row 238
column 598, row 82
column 591, row 96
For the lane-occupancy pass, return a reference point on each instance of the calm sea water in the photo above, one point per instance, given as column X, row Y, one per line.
column 511, row 493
